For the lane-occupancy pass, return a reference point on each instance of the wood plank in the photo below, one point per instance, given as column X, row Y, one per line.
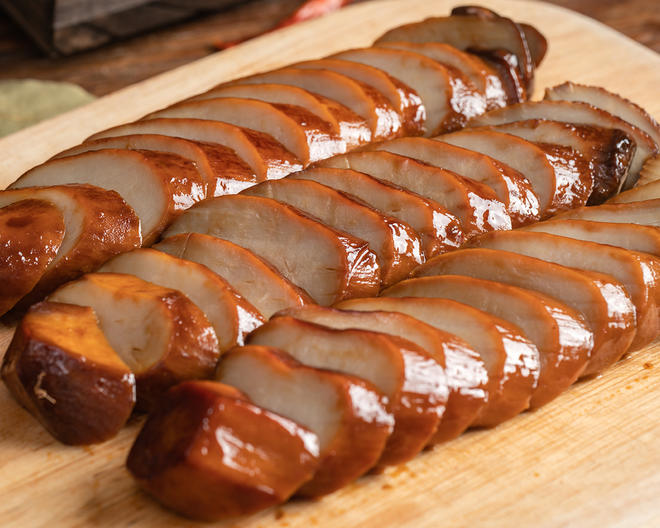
column 590, row 458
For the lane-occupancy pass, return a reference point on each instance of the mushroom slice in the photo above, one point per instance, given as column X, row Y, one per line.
column 650, row 191
column 31, row 234
column 438, row 229
column 97, row 225
column 301, row 132
column 562, row 338
column 347, row 414
column 262, row 153
column 632, row 237
column 609, row 151
column 61, row 368
column 222, row 170
column 397, row 246
column 410, row 378
column 159, row 333
column 643, row 213
column 650, row 171
column 474, row 204
column 637, row 272
column 560, row 177
column 600, row 299
column 511, row 360
column 252, row 277
column 156, row 185
column 510, row 186
column 401, row 96
column 579, row 114
column 467, row 32
column 482, row 77
column 232, row 316
column 448, row 99
column 208, row 453
column 464, row 370
column 327, row 264
column 608, row 101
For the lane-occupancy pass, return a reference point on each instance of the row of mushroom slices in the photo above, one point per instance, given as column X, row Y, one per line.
column 251, row 130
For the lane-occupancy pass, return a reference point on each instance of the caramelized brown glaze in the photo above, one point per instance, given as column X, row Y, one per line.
column 465, row 374
column 231, row 173
column 438, row 229
column 505, row 66
column 395, row 243
column 474, row 204
column 208, row 453
column 326, row 263
column 352, row 420
column 61, row 368
column 600, row 299
column 510, row 186
column 559, row 332
column 98, row 225
column 635, row 271
column 31, row 232
column 409, row 377
column 353, row 129
column 609, row 151
column 511, row 360
column 179, row 342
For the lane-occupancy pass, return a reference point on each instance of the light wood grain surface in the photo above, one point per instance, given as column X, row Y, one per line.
column 590, row 458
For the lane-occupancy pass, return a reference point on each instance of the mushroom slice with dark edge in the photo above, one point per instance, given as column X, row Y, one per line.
column 438, row 229
column 327, row 264
column 602, row 301
column 208, row 453
column 509, row 185
column 482, row 77
column 465, row 372
column 232, row 316
column 637, row 272
column 563, row 340
column 267, row 158
column 608, row 101
column 98, row 224
column 396, row 245
column 512, row 361
column 632, row 237
column 559, row 176
column 579, row 114
column 61, row 368
column 301, row 132
column 383, row 119
column 252, row 277
column 609, row 151
column 222, row 170
column 474, row 204
column 158, row 332
column 347, row 414
column 449, row 100
column 156, row 185
column 468, row 32
column 413, row 382
column 402, row 97
column 31, row 234
column 643, row 213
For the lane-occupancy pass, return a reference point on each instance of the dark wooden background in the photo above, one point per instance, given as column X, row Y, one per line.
column 115, row 66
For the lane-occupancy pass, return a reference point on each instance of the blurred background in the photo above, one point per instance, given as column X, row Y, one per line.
column 88, row 48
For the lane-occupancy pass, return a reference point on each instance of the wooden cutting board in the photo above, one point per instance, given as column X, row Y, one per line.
column 590, row 458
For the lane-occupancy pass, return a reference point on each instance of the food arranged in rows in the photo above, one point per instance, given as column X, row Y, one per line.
column 261, row 128
column 308, row 314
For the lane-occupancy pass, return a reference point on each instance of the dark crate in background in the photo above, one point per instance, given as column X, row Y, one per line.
column 63, row 27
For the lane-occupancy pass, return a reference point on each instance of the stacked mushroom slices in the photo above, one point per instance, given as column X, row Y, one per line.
column 259, row 128
column 477, row 336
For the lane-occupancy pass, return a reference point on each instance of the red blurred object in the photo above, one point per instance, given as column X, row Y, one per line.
column 309, row 10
